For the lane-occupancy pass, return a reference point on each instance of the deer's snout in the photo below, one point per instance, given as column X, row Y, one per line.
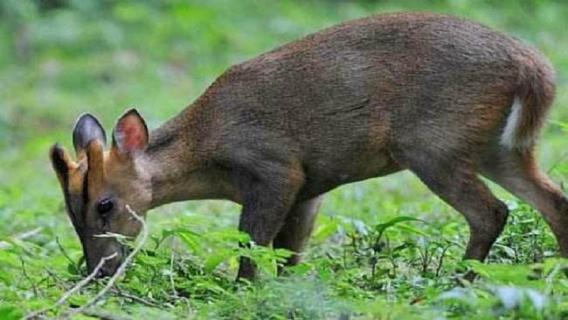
column 107, row 271
column 108, row 268
column 106, row 259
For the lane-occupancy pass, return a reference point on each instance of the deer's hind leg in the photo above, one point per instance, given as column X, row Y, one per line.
column 457, row 183
column 440, row 140
column 297, row 228
column 519, row 173
column 446, row 162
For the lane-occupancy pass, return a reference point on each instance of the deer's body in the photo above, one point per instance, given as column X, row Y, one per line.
column 443, row 97
column 338, row 106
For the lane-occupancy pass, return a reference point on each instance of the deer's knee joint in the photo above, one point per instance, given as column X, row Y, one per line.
column 494, row 227
column 561, row 205
column 491, row 225
column 501, row 212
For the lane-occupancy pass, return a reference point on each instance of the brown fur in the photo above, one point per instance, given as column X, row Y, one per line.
column 366, row 98
column 536, row 91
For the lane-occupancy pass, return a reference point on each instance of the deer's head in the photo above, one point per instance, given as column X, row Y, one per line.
column 100, row 183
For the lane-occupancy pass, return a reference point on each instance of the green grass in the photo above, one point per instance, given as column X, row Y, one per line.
column 364, row 260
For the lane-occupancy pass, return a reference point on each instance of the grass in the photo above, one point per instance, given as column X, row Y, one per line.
column 385, row 249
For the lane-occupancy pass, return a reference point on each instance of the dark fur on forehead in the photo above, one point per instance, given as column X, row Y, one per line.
column 74, row 205
column 95, row 172
column 59, row 164
column 87, row 129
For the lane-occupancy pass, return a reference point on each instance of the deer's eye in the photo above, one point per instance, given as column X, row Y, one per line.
column 105, row 206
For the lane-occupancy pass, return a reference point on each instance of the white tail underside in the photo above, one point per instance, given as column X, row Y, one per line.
column 509, row 136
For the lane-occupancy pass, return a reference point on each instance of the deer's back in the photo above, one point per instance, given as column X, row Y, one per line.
column 346, row 93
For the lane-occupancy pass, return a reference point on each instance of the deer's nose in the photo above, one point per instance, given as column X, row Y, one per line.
column 102, row 273
column 105, row 272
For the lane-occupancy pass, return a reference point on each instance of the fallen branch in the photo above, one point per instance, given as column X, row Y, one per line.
column 135, row 298
column 20, row 237
column 120, row 269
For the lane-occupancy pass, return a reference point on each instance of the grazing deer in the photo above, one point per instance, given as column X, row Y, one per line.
column 445, row 98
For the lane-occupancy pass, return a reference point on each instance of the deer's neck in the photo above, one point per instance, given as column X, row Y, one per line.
column 179, row 160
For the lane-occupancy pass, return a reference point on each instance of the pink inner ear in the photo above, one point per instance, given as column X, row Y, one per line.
column 131, row 134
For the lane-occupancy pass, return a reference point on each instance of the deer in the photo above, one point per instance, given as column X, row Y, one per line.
column 446, row 98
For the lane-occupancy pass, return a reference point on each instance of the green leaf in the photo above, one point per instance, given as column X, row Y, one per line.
column 213, row 260
column 562, row 125
column 326, row 227
column 78, row 299
column 554, row 264
column 412, row 229
column 10, row 312
column 191, row 239
column 382, row 227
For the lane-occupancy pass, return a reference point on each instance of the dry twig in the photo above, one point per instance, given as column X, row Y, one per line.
column 76, row 288
column 20, row 237
column 135, row 298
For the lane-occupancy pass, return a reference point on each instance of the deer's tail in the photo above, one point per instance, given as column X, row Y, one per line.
column 533, row 98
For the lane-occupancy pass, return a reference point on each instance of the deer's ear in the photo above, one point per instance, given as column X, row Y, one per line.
column 61, row 163
column 87, row 129
column 130, row 134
